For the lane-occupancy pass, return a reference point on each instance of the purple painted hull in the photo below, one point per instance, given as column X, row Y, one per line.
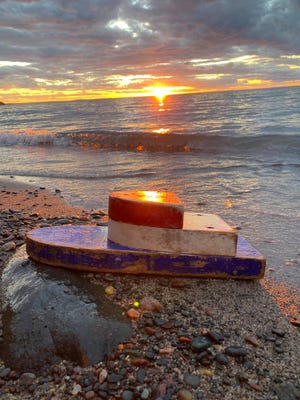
column 86, row 248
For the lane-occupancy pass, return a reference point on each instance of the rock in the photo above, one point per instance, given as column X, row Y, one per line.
column 191, row 380
column 141, row 375
column 90, row 395
column 102, row 375
column 206, row 372
column 184, row 394
column 286, row 391
column 62, row 221
column 216, row 337
column 200, row 343
column 166, row 350
column 76, row 389
column 242, row 377
column 278, row 332
column 221, row 359
column 150, row 304
column 132, row 313
column 27, row 379
column 251, row 340
column 114, row 378
column 50, row 323
column 145, row 394
column 127, row 395
column 236, row 351
column 110, row 290
column 9, row 246
column 5, row 372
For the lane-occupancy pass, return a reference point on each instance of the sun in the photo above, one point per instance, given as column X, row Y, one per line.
column 160, row 92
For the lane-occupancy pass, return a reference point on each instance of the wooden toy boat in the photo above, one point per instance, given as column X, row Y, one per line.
column 149, row 233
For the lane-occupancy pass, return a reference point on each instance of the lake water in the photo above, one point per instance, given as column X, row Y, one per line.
column 236, row 154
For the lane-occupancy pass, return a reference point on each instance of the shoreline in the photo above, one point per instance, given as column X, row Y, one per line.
column 244, row 312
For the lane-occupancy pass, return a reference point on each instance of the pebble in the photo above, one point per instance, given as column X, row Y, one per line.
column 216, row 337
column 90, row 395
column 184, row 394
column 278, row 332
column 9, row 246
column 162, row 344
column 127, row 395
column 132, row 313
column 200, row 343
column 286, row 391
column 149, row 303
column 221, row 359
column 4, row 372
column 191, row 380
column 27, row 378
column 110, row 290
column 102, row 375
column 236, row 351
column 76, row 389
column 145, row 394
column 114, row 378
column 251, row 340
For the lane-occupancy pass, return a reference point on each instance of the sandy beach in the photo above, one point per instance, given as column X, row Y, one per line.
column 207, row 339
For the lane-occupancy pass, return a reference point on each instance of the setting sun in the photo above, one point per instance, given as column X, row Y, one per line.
column 160, row 92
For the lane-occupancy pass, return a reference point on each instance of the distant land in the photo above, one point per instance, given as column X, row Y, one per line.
column 2, row 104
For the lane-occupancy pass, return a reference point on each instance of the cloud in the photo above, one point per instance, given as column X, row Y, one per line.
column 83, row 43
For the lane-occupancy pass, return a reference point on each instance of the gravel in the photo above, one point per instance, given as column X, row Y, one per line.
column 203, row 339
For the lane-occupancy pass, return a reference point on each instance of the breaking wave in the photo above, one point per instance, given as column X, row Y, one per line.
column 151, row 142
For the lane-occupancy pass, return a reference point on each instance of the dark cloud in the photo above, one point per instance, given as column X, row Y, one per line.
column 98, row 38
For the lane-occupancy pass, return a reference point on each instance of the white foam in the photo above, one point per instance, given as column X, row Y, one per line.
column 31, row 137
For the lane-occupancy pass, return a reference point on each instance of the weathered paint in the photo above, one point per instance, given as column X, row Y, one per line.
column 139, row 207
column 86, row 248
column 205, row 234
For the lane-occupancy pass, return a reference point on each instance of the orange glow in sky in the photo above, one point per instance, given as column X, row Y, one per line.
column 144, row 48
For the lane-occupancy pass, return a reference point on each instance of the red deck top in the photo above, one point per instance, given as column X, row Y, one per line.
column 148, row 208
column 146, row 196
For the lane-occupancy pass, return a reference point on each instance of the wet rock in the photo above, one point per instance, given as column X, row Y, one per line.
column 50, row 323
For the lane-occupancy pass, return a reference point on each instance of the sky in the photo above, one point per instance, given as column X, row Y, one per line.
column 55, row 50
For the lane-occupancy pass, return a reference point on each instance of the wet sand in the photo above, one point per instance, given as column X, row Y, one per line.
column 162, row 358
